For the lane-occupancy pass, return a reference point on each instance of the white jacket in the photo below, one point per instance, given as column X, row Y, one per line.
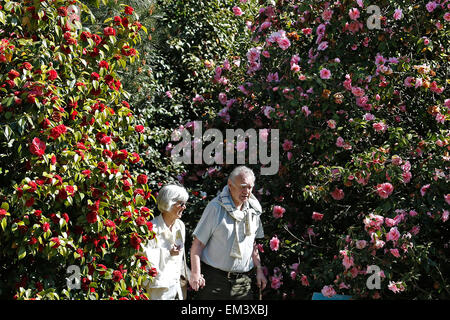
column 157, row 250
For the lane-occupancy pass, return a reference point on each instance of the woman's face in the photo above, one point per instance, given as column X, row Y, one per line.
column 176, row 211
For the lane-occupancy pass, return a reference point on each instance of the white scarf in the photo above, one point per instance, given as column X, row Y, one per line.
column 251, row 208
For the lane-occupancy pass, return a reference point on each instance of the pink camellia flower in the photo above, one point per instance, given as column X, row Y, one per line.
column 340, row 142
column 274, row 243
column 337, row 194
column 395, row 253
column 331, row 124
column 287, row 145
column 317, row 216
column 322, row 46
column 390, row 222
column 369, row 117
column 283, row 43
column 447, row 16
column 304, row 280
column 328, row 291
column 396, row 286
column 237, row 11
column 398, row 14
column 347, row 262
column 379, row 126
column 424, row 189
column 396, row 160
column 306, row 111
column 431, row 6
column 325, row 73
column 393, row 234
column 384, row 190
column 361, row 244
column 276, row 282
column 327, row 14
column 354, row 13
column 265, row 25
column 278, row 211
column 406, row 176
column 198, row 98
column 447, row 198
column 445, row 215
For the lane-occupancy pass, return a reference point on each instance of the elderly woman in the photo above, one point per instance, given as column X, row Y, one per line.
column 166, row 252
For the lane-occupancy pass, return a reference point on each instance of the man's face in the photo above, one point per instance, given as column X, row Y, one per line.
column 240, row 188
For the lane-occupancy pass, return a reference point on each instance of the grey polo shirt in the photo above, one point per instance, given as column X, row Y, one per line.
column 217, row 232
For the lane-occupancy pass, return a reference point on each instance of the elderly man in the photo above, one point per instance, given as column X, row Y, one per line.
column 224, row 249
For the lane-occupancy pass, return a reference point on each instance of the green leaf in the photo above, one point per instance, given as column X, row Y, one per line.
column 21, row 253
column 5, row 206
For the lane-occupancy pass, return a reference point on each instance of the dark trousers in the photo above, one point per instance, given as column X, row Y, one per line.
column 220, row 285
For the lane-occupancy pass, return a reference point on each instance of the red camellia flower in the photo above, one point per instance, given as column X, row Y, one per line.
column 95, row 76
column 56, row 241
column 2, row 213
column 37, row 147
column 29, row 202
column 142, row 179
column 13, row 74
column 103, row 64
column 103, row 138
column 139, row 128
column 152, row 272
column 109, row 31
column 62, row 11
column 52, row 75
column 45, row 226
column 102, row 166
column 91, row 217
column 129, row 10
column 117, row 276
column 55, row 132
column 135, row 241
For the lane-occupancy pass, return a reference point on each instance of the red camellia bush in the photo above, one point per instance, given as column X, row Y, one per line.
column 66, row 175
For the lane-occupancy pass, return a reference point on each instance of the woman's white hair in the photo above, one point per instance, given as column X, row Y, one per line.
column 241, row 170
column 169, row 195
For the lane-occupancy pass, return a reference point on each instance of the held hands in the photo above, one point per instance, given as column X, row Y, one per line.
column 197, row 281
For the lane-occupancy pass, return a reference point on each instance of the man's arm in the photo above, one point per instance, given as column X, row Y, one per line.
column 196, row 281
column 261, row 280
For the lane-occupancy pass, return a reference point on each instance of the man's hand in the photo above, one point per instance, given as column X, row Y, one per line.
column 196, row 281
column 261, row 280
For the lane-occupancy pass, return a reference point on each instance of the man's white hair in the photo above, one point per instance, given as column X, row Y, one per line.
column 241, row 170
column 169, row 195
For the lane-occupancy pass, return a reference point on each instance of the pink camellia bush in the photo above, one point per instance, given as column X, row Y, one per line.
column 366, row 113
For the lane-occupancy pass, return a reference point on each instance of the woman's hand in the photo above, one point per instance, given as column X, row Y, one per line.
column 175, row 250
